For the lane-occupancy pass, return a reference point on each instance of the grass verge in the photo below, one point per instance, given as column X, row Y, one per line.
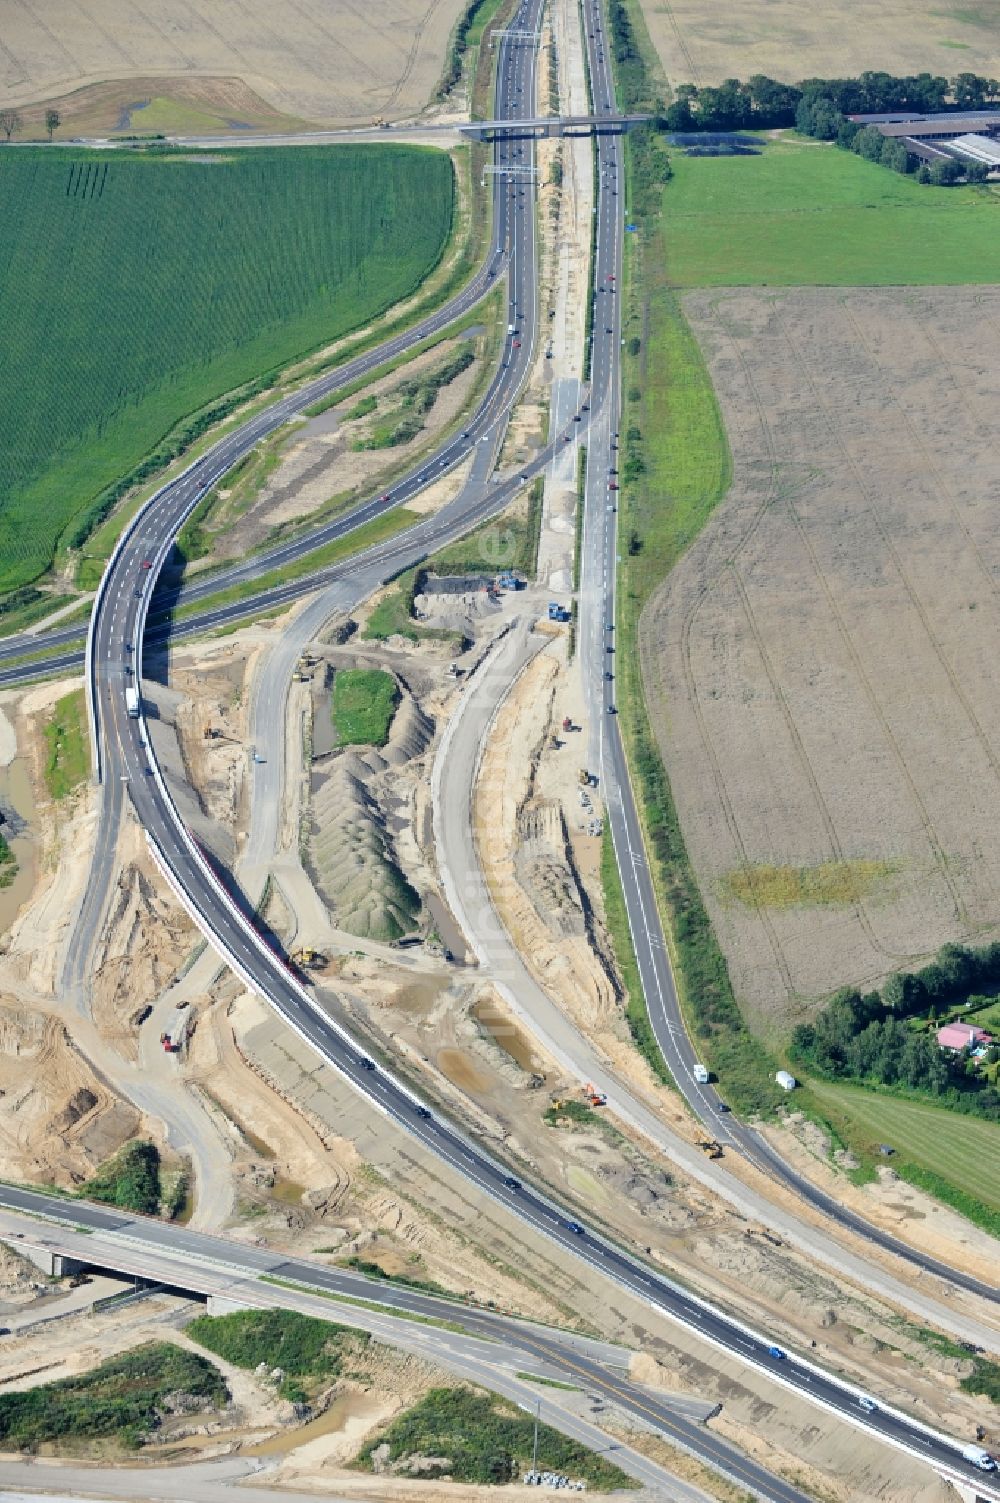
column 67, row 760
column 379, row 530
column 373, row 1306
column 616, row 917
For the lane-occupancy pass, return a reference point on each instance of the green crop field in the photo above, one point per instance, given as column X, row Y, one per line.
column 804, row 214
column 138, row 288
column 965, row 1151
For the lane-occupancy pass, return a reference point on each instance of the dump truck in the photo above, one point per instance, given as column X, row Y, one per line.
column 594, row 1096
column 711, row 1147
column 557, row 612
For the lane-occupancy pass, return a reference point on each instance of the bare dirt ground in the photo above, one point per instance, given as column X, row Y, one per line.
column 790, row 40
column 192, row 66
column 819, row 665
column 313, row 462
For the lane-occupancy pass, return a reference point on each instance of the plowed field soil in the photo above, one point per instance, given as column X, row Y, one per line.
column 822, row 661
column 790, row 39
column 329, row 63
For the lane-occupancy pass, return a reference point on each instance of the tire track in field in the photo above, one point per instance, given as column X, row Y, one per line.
column 694, row 75
column 58, row 47
column 113, row 43
column 857, row 908
column 918, row 441
column 316, row 20
column 886, row 536
column 832, row 428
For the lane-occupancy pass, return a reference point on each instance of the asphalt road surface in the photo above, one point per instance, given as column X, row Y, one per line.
column 129, row 769
column 596, row 617
column 203, row 1264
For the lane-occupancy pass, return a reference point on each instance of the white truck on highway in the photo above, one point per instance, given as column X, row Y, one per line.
column 132, row 701
column 700, row 1074
column 980, row 1458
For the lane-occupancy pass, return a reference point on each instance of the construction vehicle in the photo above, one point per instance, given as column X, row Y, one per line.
column 306, row 956
column 594, row 1096
column 169, row 1047
column 557, row 612
column 711, row 1147
column 587, row 779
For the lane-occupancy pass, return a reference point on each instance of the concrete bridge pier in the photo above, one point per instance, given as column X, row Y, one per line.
column 48, row 1260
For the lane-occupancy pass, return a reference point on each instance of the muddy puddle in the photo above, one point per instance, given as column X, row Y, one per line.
column 16, row 795
column 451, row 935
column 507, row 1034
column 349, row 1406
column 456, row 1066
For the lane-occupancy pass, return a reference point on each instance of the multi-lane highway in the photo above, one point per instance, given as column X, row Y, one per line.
column 597, row 640
column 129, row 768
column 127, row 763
column 177, row 1257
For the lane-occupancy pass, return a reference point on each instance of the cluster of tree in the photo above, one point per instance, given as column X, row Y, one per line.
column 762, row 104
column 866, row 1038
column 12, row 124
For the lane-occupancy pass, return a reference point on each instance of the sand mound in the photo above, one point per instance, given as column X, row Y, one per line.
column 353, row 861
column 411, row 734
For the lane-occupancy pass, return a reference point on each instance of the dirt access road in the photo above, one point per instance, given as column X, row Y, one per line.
column 821, row 663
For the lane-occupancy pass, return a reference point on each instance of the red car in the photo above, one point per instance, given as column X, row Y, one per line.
column 147, row 563
column 386, row 497
column 612, row 485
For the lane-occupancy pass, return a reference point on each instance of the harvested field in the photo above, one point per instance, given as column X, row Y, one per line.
column 790, row 39
column 820, row 663
column 334, row 64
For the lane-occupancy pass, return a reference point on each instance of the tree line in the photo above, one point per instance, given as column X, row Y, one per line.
column 761, row 103
column 866, row 1038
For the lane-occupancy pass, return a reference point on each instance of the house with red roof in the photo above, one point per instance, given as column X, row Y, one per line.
column 962, row 1036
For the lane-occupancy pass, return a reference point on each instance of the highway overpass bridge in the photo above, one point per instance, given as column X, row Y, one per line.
column 536, row 127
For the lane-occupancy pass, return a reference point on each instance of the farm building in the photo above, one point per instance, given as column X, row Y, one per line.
column 962, row 1036
column 964, row 137
column 977, row 149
